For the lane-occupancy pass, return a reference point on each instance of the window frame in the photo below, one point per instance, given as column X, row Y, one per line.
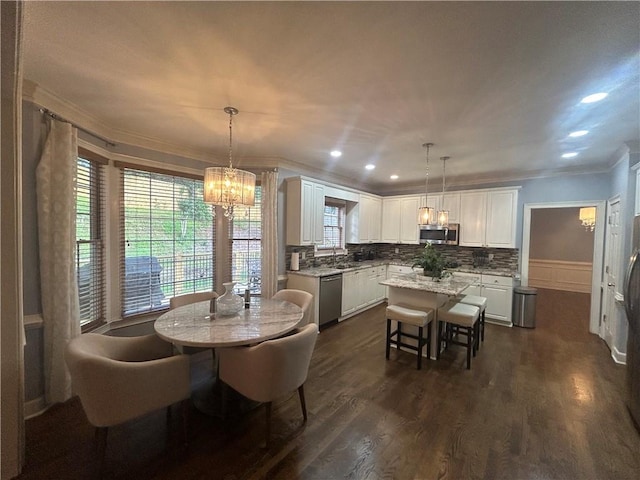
column 233, row 239
column 97, row 234
column 341, row 220
column 173, row 285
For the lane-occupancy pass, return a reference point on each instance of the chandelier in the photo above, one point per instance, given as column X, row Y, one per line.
column 588, row 218
column 443, row 215
column 426, row 214
column 229, row 187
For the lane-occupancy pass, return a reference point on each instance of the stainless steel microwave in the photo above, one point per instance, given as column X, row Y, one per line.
column 440, row 235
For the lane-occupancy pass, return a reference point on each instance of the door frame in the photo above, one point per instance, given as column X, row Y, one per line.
column 598, row 252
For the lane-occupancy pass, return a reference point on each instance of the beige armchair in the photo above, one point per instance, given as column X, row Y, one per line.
column 299, row 297
column 188, row 298
column 121, row 378
column 270, row 369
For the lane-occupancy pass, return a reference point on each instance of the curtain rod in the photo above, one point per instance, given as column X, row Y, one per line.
column 59, row 118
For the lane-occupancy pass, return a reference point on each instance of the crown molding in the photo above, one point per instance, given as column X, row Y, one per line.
column 38, row 95
column 478, row 181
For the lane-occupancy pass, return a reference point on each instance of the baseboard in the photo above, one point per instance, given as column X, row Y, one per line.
column 502, row 323
column 618, row 356
column 35, row 407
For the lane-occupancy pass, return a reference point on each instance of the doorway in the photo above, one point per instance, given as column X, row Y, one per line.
column 596, row 288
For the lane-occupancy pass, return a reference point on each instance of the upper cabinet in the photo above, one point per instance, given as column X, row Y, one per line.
column 451, row 202
column 305, row 207
column 369, row 219
column 488, row 218
column 400, row 219
column 448, row 201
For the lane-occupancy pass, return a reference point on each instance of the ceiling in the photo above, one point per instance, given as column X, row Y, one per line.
column 494, row 85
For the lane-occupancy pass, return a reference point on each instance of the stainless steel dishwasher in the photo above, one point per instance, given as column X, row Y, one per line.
column 330, row 298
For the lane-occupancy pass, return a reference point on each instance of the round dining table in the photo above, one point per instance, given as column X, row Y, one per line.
column 194, row 326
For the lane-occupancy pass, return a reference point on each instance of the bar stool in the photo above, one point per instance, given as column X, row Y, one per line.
column 417, row 318
column 481, row 303
column 460, row 319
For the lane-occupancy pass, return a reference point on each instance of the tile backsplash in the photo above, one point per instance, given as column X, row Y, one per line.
column 503, row 258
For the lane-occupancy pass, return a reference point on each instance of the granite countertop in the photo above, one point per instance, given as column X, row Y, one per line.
column 351, row 266
column 448, row 286
column 348, row 267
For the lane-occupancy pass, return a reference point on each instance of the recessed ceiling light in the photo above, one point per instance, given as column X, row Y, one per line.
column 596, row 97
column 570, row 155
column 579, row 133
column 335, row 153
column 393, row 177
column 370, row 166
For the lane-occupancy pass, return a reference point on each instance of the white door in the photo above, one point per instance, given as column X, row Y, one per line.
column 611, row 272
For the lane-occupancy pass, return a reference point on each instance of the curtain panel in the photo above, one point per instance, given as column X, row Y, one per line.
column 269, row 263
column 56, row 198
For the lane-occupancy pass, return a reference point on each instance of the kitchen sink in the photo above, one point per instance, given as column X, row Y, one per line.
column 342, row 266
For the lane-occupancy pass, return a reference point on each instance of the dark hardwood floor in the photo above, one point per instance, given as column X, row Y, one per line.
column 546, row 403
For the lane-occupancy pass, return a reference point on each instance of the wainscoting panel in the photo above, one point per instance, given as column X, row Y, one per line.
column 560, row 275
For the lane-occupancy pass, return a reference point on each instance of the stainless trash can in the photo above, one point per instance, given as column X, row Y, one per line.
column 524, row 307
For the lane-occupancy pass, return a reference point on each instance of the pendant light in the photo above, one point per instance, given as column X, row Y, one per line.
column 426, row 214
column 443, row 215
column 229, row 187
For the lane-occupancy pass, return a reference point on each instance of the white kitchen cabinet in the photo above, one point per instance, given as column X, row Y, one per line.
column 353, row 285
column 448, row 201
column 502, row 214
column 473, row 218
column 409, row 219
column 451, row 202
column 390, row 220
column 305, row 212
column 370, row 219
column 499, row 294
column 498, row 291
column 400, row 219
column 393, row 270
column 488, row 218
column 377, row 292
column 361, row 288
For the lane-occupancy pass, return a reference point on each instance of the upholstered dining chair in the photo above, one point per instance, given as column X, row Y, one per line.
column 299, row 297
column 121, row 378
column 189, row 298
column 267, row 371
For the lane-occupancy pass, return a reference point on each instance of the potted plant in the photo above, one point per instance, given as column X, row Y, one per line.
column 431, row 262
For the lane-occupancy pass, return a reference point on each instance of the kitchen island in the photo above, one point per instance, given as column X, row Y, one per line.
column 419, row 292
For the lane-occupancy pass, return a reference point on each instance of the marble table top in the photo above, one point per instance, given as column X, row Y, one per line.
column 451, row 286
column 192, row 325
